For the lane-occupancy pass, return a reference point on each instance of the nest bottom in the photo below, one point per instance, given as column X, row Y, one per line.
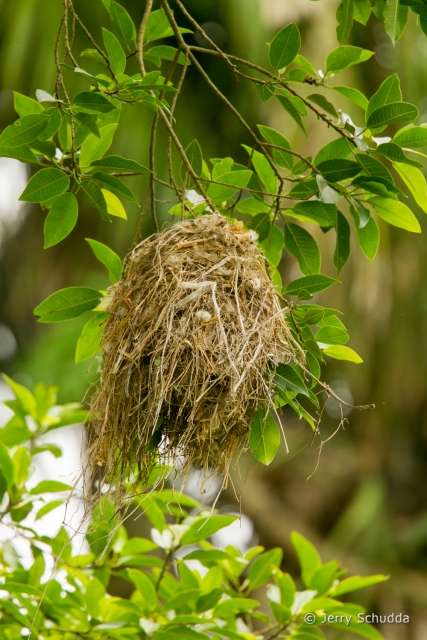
column 194, row 332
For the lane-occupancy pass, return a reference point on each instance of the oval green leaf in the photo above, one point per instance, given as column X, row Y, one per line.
column 395, row 213
column 340, row 352
column 264, row 437
column 120, row 164
column 108, row 258
column 61, row 219
column 90, row 337
column 312, row 284
column 93, row 102
column 44, row 185
column 390, row 113
column 66, row 304
column 300, row 244
column 24, row 130
column 285, row 47
column 115, row 53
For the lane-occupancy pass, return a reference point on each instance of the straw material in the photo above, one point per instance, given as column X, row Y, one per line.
column 194, row 332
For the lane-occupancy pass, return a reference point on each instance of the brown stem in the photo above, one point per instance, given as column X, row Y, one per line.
column 213, row 86
column 141, row 32
column 284, row 84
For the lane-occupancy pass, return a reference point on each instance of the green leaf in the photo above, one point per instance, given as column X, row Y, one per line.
column 14, row 432
column 93, row 148
column 355, row 583
column 273, row 245
column 323, row 579
column 52, row 448
column 369, row 238
column 88, row 122
column 233, row 606
column 284, row 47
column 116, row 184
column 164, row 52
column 308, row 556
column 53, row 124
column 304, row 189
column 24, row 130
column 395, row 213
column 393, row 152
column 312, row 284
column 281, row 158
column 94, row 55
column 95, row 592
column 388, row 93
column 264, row 437
column 261, row 224
column 24, row 154
column 44, row 185
column 359, row 628
column 261, row 569
column 289, row 106
column 340, row 352
column 144, row 585
column 354, row 95
column 342, row 249
column 287, row 378
column 202, row 528
column 390, row 113
column 413, row 137
column 237, row 180
column 362, row 10
column 324, row 104
column 24, row 396
column 108, row 258
column 395, row 18
column 49, row 486
column 416, row 183
column 66, row 304
column 120, row 164
column 96, row 197
column 115, row 53
column 345, row 20
column 122, row 22
column 303, row 247
column 252, row 207
column 61, row 219
column 158, row 27
column 6, row 465
column 315, row 211
column 263, row 169
column 373, row 168
column 44, row 148
column 338, row 169
column 305, row 64
column 25, row 106
column 47, row 508
column 93, row 102
column 332, row 335
column 114, row 206
column 346, row 56
column 21, row 465
column 335, row 149
column 195, row 158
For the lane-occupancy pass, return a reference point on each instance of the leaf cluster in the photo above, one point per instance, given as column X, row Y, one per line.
column 183, row 587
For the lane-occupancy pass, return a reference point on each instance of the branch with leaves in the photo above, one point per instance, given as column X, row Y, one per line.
column 279, row 194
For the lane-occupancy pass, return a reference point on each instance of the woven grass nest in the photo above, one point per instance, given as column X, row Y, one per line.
column 194, row 331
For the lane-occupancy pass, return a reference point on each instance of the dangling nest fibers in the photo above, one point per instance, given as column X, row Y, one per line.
column 194, row 331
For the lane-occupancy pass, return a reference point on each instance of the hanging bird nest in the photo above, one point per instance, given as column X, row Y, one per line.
column 194, row 334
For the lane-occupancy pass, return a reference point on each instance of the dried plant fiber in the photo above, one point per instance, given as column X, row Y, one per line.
column 194, row 331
